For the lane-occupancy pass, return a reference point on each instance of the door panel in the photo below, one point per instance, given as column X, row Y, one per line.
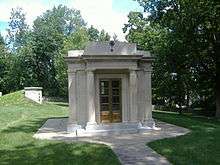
column 104, row 101
column 110, row 100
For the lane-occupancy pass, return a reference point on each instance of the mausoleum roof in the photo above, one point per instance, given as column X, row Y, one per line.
column 109, row 48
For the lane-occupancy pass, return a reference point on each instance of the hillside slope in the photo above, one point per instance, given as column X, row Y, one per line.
column 15, row 98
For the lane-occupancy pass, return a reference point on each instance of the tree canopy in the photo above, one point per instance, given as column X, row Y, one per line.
column 34, row 56
column 17, row 29
column 184, row 37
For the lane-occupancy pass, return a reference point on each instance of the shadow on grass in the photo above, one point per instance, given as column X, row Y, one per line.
column 200, row 146
column 191, row 122
column 30, row 126
column 26, row 126
column 62, row 104
column 59, row 103
column 59, row 153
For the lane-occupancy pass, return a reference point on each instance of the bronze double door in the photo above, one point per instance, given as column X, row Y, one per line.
column 110, row 100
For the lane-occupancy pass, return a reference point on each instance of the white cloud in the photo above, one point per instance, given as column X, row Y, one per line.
column 31, row 8
column 95, row 12
column 3, row 33
column 101, row 14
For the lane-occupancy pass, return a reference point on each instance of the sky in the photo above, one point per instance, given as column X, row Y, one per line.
column 110, row 15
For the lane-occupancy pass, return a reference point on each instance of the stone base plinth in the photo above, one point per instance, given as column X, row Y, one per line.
column 148, row 124
column 110, row 128
column 73, row 127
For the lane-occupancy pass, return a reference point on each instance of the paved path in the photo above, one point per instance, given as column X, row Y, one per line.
column 130, row 148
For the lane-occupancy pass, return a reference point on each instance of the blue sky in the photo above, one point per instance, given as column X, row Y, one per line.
column 110, row 15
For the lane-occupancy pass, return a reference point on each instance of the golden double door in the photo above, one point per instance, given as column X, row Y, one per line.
column 110, row 100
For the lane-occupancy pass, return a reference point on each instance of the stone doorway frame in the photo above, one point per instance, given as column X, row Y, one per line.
column 124, row 94
column 110, row 99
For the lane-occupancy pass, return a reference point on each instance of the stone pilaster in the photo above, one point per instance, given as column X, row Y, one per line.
column 72, row 122
column 148, row 120
column 91, row 97
column 133, row 95
column 72, row 97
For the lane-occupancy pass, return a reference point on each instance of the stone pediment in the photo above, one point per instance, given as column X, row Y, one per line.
column 109, row 50
column 105, row 48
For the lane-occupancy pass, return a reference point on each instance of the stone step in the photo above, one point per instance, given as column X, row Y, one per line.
column 113, row 126
column 104, row 132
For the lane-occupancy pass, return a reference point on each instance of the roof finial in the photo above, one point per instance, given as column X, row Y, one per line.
column 112, row 43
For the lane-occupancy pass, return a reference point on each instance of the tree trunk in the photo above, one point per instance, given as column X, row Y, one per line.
column 217, row 96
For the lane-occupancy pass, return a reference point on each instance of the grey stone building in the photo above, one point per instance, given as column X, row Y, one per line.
column 109, row 87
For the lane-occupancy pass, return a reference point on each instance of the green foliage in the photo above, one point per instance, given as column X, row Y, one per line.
column 200, row 146
column 19, row 122
column 103, row 36
column 2, row 42
column 16, row 37
column 7, row 62
column 61, row 19
column 37, row 54
column 76, row 41
column 38, row 58
column 93, row 34
column 183, row 36
column 3, row 62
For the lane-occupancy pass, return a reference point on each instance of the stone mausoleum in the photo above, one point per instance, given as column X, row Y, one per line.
column 109, row 88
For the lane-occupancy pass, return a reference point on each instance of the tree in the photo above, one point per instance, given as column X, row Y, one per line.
column 2, row 42
column 49, row 33
column 36, row 56
column 188, row 47
column 103, row 36
column 16, row 72
column 3, row 64
column 17, row 29
column 7, row 61
column 93, row 33
column 75, row 41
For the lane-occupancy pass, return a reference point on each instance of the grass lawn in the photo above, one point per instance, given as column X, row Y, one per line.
column 199, row 147
column 20, row 119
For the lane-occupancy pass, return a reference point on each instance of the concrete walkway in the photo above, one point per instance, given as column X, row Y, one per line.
column 130, row 148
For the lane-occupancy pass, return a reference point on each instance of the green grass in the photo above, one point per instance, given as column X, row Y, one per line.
column 16, row 98
column 21, row 118
column 199, row 147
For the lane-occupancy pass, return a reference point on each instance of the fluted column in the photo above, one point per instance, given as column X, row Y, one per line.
column 133, row 95
column 91, row 96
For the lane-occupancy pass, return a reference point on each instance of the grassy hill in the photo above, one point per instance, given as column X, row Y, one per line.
column 15, row 98
column 20, row 118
